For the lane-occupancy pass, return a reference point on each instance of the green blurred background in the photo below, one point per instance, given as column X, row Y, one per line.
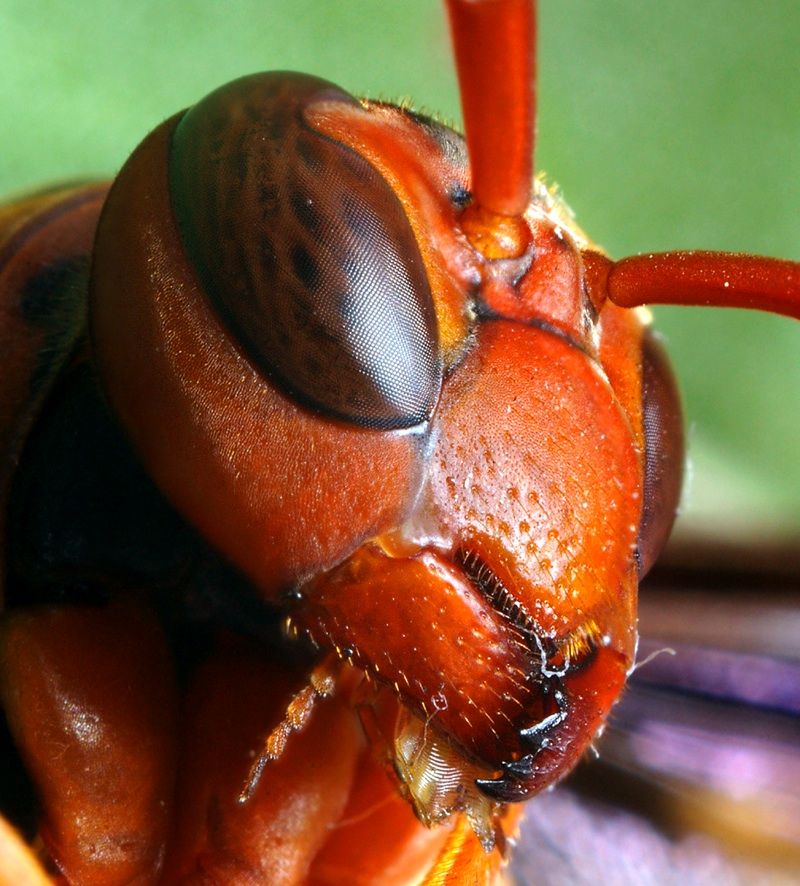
column 667, row 125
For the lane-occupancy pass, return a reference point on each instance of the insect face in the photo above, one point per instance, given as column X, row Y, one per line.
column 309, row 247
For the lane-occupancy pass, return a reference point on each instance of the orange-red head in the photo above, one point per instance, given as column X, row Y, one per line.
column 434, row 456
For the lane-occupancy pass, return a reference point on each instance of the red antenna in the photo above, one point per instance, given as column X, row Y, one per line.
column 494, row 44
column 719, row 279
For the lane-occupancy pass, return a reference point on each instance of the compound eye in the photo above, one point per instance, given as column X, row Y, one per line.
column 306, row 253
column 664, row 451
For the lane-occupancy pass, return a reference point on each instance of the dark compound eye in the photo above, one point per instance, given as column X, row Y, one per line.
column 664, row 451
column 306, row 253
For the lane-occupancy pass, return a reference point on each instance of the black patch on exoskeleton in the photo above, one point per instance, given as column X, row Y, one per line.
column 54, row 301
column 83, row 514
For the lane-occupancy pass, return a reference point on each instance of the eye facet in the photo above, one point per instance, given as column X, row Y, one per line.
column 662, row 418
column 306, row 253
